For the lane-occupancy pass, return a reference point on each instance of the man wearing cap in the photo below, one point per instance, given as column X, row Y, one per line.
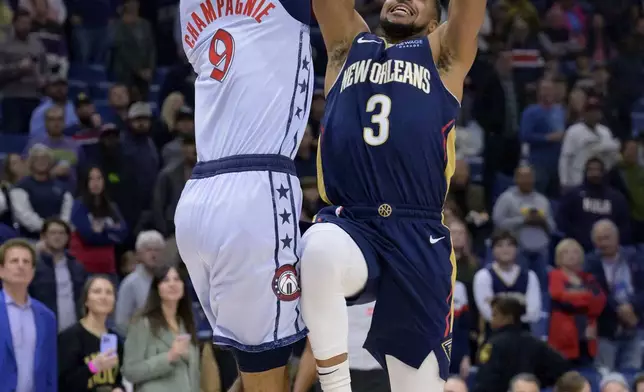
column 184, row 125
column 584, row 140
column 87, row 129
column 143, row 158
column 56, row 93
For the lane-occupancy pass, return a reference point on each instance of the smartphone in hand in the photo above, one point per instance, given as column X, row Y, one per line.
column 109, row 341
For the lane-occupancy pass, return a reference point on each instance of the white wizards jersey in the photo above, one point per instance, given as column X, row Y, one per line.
column 254, row 74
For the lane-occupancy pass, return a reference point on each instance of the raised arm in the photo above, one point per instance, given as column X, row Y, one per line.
column 455, row 43
column 339, row 23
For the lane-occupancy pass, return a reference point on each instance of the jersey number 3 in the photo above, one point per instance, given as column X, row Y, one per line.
column 380, row 107
column 220, row 54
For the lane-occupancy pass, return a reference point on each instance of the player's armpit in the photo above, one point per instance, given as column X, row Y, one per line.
column 458, row 41
column 339, row 24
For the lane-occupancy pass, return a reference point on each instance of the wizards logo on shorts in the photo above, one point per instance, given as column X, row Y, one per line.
column 285, row 283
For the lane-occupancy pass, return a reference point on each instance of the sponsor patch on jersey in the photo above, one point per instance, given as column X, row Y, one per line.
column 285, row 283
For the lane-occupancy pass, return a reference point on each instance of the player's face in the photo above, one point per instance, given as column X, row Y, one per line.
column 403, row 19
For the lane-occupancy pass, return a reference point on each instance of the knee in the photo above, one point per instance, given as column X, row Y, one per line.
column 321, row 253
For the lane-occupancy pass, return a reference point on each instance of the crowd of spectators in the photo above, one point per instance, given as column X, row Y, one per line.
column 546, row 207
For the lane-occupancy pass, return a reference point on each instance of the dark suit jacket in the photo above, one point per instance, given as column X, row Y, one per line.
column 608, row 322
column 43, row 286
column 45, row 368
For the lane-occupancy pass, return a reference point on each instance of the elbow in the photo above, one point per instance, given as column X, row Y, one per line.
column 131, row 372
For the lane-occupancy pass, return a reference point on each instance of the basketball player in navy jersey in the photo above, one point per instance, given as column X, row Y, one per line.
column 386, row 155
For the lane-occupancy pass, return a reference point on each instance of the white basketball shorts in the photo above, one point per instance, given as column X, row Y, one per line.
column 237, row 232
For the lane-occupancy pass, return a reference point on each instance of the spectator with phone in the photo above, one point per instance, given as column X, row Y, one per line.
column 92, row 352
column 161, row 350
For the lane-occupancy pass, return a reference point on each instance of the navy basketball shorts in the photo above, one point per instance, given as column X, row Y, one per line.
column 411, row 274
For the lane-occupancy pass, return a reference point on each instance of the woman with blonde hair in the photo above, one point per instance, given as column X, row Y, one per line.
column 168, row 117
column 577, row 302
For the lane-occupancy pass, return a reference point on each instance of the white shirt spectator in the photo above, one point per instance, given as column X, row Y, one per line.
column 483, row 292
column 579, row 145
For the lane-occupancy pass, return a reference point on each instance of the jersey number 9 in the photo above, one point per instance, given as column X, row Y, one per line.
column 380, row 106
column 220, row 54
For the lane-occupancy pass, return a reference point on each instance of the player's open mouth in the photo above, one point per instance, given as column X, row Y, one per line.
column 401, row 10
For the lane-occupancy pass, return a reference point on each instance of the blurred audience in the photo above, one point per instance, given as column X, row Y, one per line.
column 505, row 275
column 59, row 278
column 161, row 351
column 572, row 381
column 511, row 351
column 577, row 300
column 40, row 195
column 28, row 328
column 594, row 200
column 85, row 363
column 133, row 291
column 98, row 226
column 620, row 274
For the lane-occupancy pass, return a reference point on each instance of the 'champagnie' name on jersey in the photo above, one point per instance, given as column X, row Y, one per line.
column 212, row 10
column 399, row 71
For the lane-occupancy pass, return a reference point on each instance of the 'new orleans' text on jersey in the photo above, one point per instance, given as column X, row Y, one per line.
column 390, row 71
column 387, row 134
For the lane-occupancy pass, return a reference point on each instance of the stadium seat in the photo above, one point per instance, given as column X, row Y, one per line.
column 12, row 143
column 153, row 94
column 501, row 184
column 159, row 75
column 100, row 91
column 592, row 376
column 476, row 169
column 103, row 108
column 91, row 74
column 76, row 87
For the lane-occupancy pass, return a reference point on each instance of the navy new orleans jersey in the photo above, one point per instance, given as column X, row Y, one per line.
column 387, row 131
column 386, row 155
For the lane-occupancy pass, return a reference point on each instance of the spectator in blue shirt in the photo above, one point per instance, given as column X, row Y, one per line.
column 56, row 92
column 542, row 128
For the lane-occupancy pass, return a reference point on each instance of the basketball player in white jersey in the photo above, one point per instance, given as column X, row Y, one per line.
column 237, row 219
